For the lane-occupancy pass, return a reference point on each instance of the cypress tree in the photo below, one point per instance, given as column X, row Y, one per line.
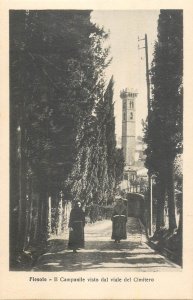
column 56, row 77
column 164, row 133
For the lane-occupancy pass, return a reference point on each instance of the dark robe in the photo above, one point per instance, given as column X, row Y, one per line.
column 77, row 223
column 119, row 219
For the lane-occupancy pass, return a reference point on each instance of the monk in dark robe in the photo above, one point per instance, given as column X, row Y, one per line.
column 76, row 228
column 119, row 219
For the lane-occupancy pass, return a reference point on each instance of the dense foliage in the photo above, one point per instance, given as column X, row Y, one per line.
column 62, row 119
column 164, row 132
column 93, row 178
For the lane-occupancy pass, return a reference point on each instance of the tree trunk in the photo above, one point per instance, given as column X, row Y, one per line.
column 160, row 220
column 171, row 196
column 180, row 224
column 44, row 225
column 22, row 192
column 28, row 204
column 59, row 215
column 14, row 194
column 36, row 217
column 42, row 215
column 35, row 201
column 49, row 216
column 29, row 207
column 30, row 229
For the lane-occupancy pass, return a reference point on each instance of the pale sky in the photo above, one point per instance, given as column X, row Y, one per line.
column 128, row 64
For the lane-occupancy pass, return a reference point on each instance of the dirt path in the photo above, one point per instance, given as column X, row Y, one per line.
column 102, row 254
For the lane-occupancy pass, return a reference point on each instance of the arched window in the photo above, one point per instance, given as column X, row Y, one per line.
column 131, row 116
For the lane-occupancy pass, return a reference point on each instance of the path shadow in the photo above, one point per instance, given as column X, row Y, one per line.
column 99, row 255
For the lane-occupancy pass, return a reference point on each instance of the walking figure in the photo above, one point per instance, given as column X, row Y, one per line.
column 119, row 219
column 76, row 228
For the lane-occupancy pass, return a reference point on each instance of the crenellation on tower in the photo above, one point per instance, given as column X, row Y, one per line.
column 128, row 93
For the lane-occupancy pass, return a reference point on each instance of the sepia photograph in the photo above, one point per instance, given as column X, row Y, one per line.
column 96, row 121
column 95, row 153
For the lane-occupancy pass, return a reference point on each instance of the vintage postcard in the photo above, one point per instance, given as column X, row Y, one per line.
column 96, row 143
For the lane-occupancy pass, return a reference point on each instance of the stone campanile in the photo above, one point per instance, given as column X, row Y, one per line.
column 128, row 125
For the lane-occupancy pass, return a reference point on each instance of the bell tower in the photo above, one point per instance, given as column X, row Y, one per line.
column 128, row 125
